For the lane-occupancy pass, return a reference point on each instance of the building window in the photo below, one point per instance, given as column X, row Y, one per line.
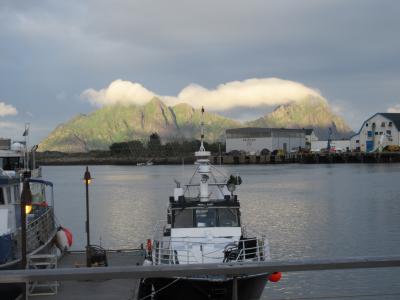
column 390, row 124
column 376, row 132
column 357, row 141
column 388, row 132
column 380, row 133
column 366, row 124
column 383, row 124
column 369, row 133
column 373, row 124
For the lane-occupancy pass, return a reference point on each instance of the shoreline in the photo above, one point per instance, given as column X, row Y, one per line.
column 308, row 158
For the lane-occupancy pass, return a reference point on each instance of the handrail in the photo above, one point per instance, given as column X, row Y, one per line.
column 227, row 269
column 166, row 253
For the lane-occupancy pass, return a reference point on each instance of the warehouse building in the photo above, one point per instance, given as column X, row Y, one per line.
column 377, row 132
column 254, row 140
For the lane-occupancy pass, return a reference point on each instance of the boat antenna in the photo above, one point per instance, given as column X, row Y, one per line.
column 202, row 149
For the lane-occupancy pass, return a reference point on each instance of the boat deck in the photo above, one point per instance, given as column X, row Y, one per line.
column 99, row 290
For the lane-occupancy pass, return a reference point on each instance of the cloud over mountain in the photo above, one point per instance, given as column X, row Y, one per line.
column 119, row 92
column 7, row 110
column 247, row 93
column 394, row 109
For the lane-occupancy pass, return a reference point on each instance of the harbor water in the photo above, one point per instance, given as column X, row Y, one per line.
column 306, row 211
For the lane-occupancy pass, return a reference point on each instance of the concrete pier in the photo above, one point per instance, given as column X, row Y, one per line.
column 309, row 158
column 97, row 289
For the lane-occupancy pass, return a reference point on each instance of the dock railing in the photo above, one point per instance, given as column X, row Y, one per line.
column 231, row 270
column 228, row 269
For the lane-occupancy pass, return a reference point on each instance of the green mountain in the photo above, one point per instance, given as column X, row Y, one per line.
column 118, row 123
column 311, row 112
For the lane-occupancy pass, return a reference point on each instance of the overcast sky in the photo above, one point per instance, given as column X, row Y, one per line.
column 52, row 52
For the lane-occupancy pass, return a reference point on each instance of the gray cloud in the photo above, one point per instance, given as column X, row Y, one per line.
column 346, row 49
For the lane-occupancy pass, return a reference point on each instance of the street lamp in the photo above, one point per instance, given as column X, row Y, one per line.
column 87, row 179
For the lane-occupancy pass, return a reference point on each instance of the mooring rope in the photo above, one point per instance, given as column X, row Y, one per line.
column 160, row 289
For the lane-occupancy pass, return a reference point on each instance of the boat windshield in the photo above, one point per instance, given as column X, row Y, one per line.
column 206, row 217
column 228, row 217
column 183, row 218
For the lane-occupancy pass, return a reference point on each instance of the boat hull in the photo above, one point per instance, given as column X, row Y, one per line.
column 10, row 291
column 248, row 288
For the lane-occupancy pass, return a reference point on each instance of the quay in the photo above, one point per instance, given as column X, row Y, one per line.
column 91, row 287
column 309, row 158
column 225, row 159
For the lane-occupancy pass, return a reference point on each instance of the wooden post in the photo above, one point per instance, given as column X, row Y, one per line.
column 26, row 199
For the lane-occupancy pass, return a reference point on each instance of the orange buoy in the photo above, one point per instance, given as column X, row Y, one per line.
column 68, row 234
column 275, row 277
column 63, row 238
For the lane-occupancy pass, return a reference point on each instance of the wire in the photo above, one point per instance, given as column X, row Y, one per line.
column 159, row 290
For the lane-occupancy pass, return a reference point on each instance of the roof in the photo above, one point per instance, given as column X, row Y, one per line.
column 394, row 117
column 309, row 131
column 264, row 130
column 254, row 132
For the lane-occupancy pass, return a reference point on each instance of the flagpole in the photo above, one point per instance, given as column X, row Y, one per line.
column 26, row 156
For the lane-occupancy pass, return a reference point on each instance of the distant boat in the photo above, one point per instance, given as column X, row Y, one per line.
column 147, row 163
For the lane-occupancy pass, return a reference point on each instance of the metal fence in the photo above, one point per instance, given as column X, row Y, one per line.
column 230, row 269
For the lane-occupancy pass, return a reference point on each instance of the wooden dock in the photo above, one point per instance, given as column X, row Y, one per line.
column 97, row 289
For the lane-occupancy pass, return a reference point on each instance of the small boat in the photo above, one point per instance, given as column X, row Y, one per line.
column 204, row 226
column 147, row 163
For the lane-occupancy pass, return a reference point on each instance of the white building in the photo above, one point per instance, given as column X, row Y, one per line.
column 379, row 131
column 336, row 145
column 253, row 140
column 310, row 138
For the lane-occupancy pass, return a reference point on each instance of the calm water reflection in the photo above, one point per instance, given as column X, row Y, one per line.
column 306, row 211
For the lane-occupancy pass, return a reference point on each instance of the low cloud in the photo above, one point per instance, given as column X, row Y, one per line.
column 119, row 92
column 7, row 110
column 9, row 125
column 394, row 109
column 248, row 93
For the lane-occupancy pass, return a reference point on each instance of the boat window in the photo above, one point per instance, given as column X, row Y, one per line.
column 1, row 196
column 183, row 218
column 206, row 217
column 228, row 217
column 16, row 194
column 8, row 194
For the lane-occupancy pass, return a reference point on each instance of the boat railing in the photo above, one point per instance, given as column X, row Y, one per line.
column 181, row 251
column 38, row 230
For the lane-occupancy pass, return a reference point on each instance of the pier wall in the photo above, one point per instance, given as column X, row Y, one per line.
column 302, row 158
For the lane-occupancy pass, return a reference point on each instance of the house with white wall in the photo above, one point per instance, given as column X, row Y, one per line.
column 377, row 132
